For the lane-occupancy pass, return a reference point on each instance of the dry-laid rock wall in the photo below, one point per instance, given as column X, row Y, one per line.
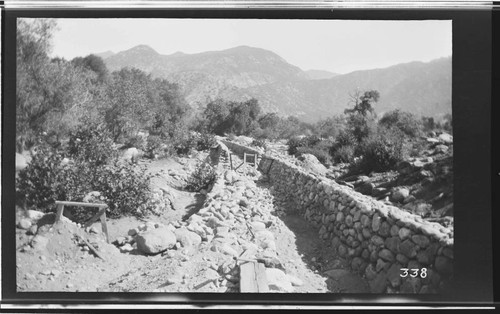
column 378, row 239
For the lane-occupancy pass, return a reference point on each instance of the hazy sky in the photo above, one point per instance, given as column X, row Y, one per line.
column 334, row 45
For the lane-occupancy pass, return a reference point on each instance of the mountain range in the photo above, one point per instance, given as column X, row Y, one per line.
column 244, row 72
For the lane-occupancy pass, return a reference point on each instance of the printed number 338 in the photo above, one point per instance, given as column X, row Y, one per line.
column 414, row 272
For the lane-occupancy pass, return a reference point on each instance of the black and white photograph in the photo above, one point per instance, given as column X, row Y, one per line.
column 197, row 155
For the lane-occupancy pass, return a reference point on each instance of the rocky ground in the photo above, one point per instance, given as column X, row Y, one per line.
column 199, row 240
column 196, row 245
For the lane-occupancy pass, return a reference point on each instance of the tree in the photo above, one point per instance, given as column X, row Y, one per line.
column 51, row 94
column 33, row 45
column 136, row 101
column 404, row 121
column 243, row 117
column 361, row 118
column 93, row 63
column 363, row 102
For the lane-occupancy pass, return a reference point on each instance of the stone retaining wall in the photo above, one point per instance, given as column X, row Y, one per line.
column 376, row 238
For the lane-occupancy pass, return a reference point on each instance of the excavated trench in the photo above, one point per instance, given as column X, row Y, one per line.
column 352, row 238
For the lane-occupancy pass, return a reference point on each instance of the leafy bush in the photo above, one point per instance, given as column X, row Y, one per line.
column 345, row 138
column 205, row 141
column 322, row 155
column 91, row 143
column 185, row 145
column 312, row 140
column 343, row 154
column 404, row 121
column 203, row 176
column 123, row 187
column 43, row 181
column 153, row 146
column 383, row 150
column 293, row 143
column 136, row 141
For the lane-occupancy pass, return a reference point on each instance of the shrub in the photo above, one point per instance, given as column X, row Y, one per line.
column 383, row 150
column 404, row 121
column 345, row 138
column 343, row 154
column 185, row 145
column 203, row 176
column 123, row 187
column 153, row 146
column 312, row 140
column 136, row 141
column 205, row 141
column 44, row 180
column 92, row 144
column 293, row 143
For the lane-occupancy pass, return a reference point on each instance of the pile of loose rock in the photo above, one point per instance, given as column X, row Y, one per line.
column 235, row 225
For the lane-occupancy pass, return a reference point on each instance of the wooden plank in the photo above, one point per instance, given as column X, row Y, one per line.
column 231, row 161
column 80, row 204
column 60, row 211
column 104, row 225
column 91, row 247
column 260, row 278
column 95, row 218
column 247, row 278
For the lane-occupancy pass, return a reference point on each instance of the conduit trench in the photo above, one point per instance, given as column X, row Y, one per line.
column 394, row 251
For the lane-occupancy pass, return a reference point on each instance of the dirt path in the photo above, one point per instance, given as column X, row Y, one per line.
column 313, row 261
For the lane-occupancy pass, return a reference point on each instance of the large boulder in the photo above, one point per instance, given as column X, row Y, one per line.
column 187, row 238
column 156, row 240
column 311, row 163
column 278, row 280
column 446, row 138
column 132, row 155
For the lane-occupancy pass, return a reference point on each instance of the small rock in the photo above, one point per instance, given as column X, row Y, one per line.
column 278, row 280
column 132, row 232
column 32, row 230
column 446, row 138
column 127, row 248
column 295, row 281
column 399, row 194
column 24, row 223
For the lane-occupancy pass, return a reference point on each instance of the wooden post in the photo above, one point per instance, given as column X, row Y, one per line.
column 260, row 278
column 247, row 278
column 104, row 225
column 244, row 157
column 231, row 161
column 60, row 211
column 95, row 218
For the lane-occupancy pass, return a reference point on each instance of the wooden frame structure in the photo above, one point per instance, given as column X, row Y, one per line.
column 245, row 156
column 101, row 214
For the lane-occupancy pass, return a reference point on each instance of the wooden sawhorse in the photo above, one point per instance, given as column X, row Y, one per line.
column 101, row 214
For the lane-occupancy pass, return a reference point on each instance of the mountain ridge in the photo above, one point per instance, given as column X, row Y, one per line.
column 243, row 72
